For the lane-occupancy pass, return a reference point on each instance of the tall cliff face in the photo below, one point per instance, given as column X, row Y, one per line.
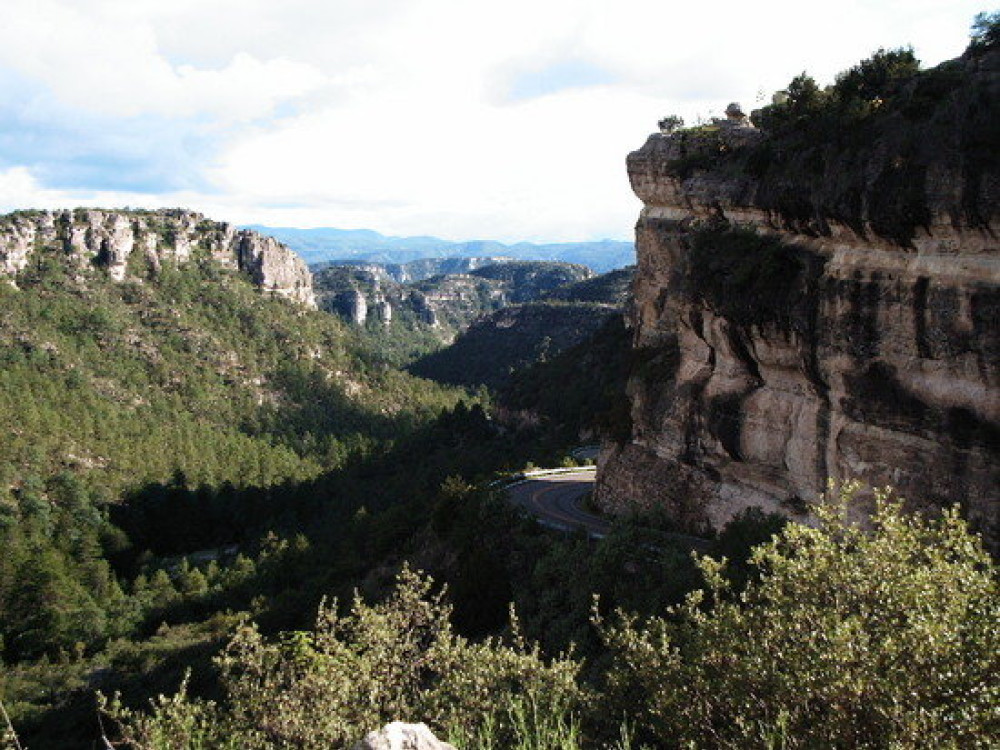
column 113, row 239
column 814, row 313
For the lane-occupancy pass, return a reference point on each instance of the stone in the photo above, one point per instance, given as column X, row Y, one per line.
column 109, row 238
column 882, row 362
column 735, row 116
column 401, row 736
column 355, row 307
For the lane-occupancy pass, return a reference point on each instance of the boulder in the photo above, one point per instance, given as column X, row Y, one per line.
column 401, row 736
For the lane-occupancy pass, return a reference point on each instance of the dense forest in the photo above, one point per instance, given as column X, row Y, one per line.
column 228, row 522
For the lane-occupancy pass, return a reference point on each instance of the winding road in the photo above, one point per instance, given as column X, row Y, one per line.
column 556, row 500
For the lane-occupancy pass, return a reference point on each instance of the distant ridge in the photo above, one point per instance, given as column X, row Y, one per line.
column 326, row 244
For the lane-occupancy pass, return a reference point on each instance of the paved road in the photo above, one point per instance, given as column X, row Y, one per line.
column 556, row 501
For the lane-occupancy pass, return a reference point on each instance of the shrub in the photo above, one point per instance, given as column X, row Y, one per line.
column 985, row 32
column 327, row 688
column 849, row 638
column 877, row 77
column 670, row 123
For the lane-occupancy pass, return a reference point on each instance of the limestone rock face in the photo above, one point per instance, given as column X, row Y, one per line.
column 358, row 307
column 874, row 355
column 401, row 736
column 110, row 239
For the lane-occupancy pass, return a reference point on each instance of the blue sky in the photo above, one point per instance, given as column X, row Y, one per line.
column 454, row 118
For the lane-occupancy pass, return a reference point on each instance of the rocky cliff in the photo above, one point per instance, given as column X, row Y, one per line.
column 811, row 308
column 125, row 240
column 447, row 302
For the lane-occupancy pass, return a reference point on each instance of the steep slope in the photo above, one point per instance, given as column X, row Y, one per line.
column 129, row 242
column 135, row 345
column 578, row 394
column 521, row 334
column 820, row 301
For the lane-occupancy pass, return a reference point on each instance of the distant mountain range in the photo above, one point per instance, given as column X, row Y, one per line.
column 326, row 244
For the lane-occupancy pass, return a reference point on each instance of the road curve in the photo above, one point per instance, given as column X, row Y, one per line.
column 556, row 500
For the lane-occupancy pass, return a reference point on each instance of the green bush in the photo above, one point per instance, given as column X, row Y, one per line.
column 876, row 78
column 395, row 660
column 850, row 638
column 985, row 32
column 748, row 277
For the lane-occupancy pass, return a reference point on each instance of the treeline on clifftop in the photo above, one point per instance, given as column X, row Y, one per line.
column 859, row 151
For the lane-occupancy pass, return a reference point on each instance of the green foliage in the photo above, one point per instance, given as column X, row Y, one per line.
column 850, row 638
column 533, row 725
column 875, row 79
column 701, row 148
column 580, row 390
column 177, row 723
column 515, row 337
column 746, row 276
column 858, row 93
column 670, row 123
column 188, row 389
column 804, row 95
column 985, row 32
column 353, row 673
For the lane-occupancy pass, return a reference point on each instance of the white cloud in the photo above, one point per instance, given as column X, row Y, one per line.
column 397, row 114
column 106, row 63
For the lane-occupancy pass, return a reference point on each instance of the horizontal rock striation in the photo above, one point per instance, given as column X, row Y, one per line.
column 803, row 322
column 115, row 240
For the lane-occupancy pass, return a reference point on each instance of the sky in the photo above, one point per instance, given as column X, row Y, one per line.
column 455, row 118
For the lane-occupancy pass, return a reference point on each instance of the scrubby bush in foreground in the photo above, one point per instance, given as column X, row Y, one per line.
column 882, row 635
column 850, row 638
column 395, row 660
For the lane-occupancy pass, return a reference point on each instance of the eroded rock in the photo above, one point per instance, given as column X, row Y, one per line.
column 873, row 352
column 109, row 239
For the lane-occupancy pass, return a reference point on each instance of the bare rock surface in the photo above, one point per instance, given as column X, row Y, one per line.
column 401, row 736
column 115, row 238
column 874, row 355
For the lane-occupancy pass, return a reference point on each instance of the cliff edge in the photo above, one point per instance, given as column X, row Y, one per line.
column 819, row 300
column 124, row 241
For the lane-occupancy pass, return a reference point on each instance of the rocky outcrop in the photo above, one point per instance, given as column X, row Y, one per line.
column 401, row 736
column 802, row 316
column 445, row 304
column 122, row 242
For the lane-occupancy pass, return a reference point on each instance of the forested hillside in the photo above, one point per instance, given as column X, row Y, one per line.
column 193, row 371
column 556, row 318
column 404, row 314
column 159, row 415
